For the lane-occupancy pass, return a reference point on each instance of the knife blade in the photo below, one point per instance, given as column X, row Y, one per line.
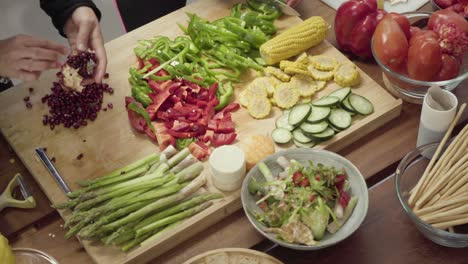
column 40, row 152
column 285, row 8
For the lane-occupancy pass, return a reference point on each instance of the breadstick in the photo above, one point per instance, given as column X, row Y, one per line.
column 442, row 210
column 447, row 218
column 445, row 225
column 441, row 205
column 460, row 210
column 451, row 229
column 436, row 187
column 447, row 158
column 415, row 195
column 432, row 201
column 461, row 180
column 463, row 189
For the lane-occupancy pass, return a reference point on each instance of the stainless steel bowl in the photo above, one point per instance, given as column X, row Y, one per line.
column 356, row 180
column 409, row 171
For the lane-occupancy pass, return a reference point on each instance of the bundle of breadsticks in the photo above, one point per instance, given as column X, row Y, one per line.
column 440, row 197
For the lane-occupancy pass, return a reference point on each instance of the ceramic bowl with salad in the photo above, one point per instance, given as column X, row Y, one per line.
column 305, row 199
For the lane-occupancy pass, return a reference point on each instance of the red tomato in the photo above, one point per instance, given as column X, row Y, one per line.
column 297, row 178
column 312, row 198
column 447, row 16
column 450, row 68
column 424, row 58
column 402, row 21
column 421, row 35
column 317, row 177
column 414, row 30
column 390, row 43
column 305, row 182
column 445, row 3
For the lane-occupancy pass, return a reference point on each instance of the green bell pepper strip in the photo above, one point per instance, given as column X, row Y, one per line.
column 161, row 78
column 267, row 11
column 224, row 94
column 142, row 112
column 182, row 143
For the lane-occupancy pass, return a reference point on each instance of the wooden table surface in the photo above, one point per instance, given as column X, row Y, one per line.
column 387, row 235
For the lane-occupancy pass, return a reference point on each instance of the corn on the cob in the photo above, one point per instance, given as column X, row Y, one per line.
column 275, row 72
column 259, row 107
column 320, row 75
column 347, row 74
column 294, row 40
column 323, row 63
column 286, row 95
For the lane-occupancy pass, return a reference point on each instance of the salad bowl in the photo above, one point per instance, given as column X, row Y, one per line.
column 357, row 188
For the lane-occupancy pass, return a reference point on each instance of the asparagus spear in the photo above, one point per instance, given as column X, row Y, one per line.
column 137, row 164
column 189, row 160
column 125, row 233
column 130, row 175
column 147, row 185
column 156, row 235
column 95, row 230
column 136, row 241
column 139, row 214
column 171, row 219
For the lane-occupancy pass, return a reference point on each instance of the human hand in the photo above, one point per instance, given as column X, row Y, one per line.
column 83, row 32
column 294, row 3
column 25, row 57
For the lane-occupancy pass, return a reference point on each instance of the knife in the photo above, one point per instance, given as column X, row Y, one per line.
column 40, row 152
column 284, row 7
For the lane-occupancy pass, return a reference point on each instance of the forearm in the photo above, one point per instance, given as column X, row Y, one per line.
column 61, row 10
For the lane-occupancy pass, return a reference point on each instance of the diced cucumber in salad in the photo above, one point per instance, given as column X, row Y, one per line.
column 302, row 203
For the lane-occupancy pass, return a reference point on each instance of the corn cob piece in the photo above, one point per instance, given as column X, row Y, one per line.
column 258, row 88
column 266, row 82
column 273, row 102
column 277, row 73
column 303, row 59
column 323, row 63
column 291, row 64
column 305, row 100
column 259, row 107
column 347, row 74
column 286, row 96
column 275, row 81
column 244, row 98
column 320, row 75
column 297, row 71
column 305, row 85
column 295, row 40
column 321, row 85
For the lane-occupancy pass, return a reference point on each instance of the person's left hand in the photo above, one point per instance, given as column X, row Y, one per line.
column 294, row 3
column 83, row 32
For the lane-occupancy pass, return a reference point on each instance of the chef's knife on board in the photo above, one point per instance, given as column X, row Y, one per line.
column 51, row 168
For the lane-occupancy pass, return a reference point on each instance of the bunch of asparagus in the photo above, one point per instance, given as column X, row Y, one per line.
column 137, row 203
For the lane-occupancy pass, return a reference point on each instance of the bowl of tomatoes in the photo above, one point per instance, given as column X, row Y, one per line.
column 417, row 50
column 459, row 6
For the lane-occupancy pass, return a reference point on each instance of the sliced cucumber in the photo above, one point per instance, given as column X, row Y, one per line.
column 281, row 135
column 298, row 135
column 340, row 119
column 314, row 128
column 341, row 94
column 325, row 135
column 282, row 122
column 361, row 104
column 337, row 130
column 347, row 106
column 298, row 114
column 326, row 101
column 318, row 114
column 304, row 145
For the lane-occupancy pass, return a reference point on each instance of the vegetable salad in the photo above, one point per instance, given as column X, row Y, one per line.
column 302, row 203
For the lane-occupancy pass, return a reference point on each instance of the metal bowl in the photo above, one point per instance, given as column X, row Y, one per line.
column 409, row 171
column 356, row 180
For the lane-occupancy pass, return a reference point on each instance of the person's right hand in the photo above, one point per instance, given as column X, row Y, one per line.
column 25, row 57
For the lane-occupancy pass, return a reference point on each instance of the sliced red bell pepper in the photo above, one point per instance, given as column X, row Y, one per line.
column 199, row 150
column 162, row 136
column 223, row 139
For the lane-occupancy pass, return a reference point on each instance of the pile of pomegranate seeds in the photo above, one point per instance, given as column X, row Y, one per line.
column 72, row 108
column 84, row 62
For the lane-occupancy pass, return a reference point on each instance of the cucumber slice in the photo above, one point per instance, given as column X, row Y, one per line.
column 325, row 135
column 281, row 135
column 304, row 145
column 341, row 94
column 282, row 122
column 326, row 101
column 337, row 130
column 298, row 114
column 318, row 114
column 361, row 104
column 314, row 128
column 347, row 106
column 340, row 119
column 298, row 135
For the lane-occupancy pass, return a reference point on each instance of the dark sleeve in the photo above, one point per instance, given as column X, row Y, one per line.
column 60, row 10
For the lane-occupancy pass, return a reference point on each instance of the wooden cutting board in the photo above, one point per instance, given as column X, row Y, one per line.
column 109, row 142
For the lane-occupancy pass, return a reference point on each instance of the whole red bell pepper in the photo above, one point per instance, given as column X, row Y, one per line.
column 355, row 22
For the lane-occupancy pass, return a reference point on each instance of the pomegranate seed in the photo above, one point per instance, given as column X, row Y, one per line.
column 52, row 159
column 80, row 156
column 106, row 75
column 28, row 105
column 26, row 98
column 31, row 89
column 110, row 105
